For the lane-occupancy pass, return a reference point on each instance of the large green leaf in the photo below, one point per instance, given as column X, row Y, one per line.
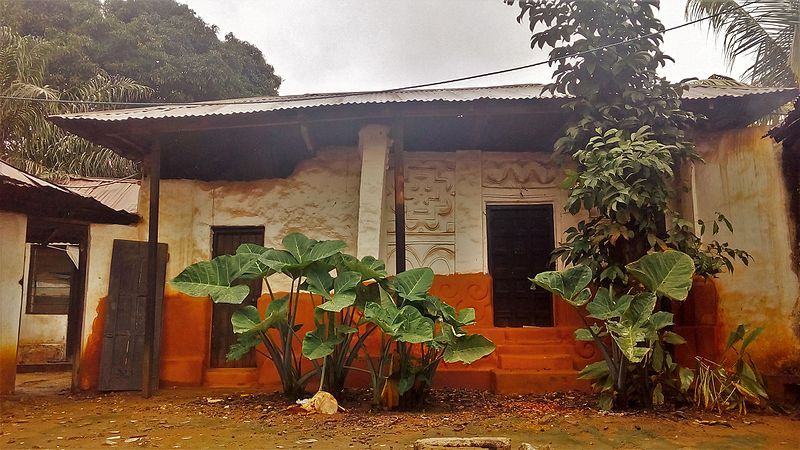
column 346, row 281
column 382, row 315
column 298, row 245
column 468, row 349
column 255, row 251
column 594, row 371
column 571, row 284
column 242, row 346
column 607, row 305
column 628, row 337
column 319, row 281
column 316, row 345
column 248, row 319
column 280, row 261
column 412, row 326
column 414, row 284
column 666, row 273
column 216, row 278
column 344, row 294
column 340, row 301
column 640, row 309
column 324, row 249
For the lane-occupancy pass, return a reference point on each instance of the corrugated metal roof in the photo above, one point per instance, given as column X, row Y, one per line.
column 265, row 104
column 13, row 175
column 119, row 194
column 27, row 194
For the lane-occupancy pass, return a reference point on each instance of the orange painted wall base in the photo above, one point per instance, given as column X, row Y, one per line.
column 527, row 360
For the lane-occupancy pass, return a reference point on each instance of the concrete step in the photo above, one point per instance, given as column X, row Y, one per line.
column 505, row 381
column 535, row 362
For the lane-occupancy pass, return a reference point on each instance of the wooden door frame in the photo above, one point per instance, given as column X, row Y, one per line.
column 521, row 203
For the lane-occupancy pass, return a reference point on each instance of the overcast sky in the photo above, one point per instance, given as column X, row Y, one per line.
column 353, row 45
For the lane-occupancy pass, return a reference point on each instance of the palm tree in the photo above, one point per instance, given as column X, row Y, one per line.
column 27, row 139
column 768, row 30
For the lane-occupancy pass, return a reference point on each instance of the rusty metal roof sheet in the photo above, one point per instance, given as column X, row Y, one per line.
column 10, row 174
column 288, row 102
column 119, row 194
column 24, row 193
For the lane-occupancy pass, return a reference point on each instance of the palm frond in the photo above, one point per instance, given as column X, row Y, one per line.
column 766, row 30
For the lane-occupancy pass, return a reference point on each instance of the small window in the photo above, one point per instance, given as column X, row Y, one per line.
column 49, row 280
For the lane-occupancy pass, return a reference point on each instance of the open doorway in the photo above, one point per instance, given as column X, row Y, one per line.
column 51, row 319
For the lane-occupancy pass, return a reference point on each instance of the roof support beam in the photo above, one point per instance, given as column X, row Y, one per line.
column 149, row 381
column 399, row 197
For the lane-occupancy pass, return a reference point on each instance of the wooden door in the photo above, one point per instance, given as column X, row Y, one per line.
column 520, row 240
column 225, row 242
column 123, row 337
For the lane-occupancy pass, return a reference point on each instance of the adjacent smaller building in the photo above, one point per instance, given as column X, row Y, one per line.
column 44, row 232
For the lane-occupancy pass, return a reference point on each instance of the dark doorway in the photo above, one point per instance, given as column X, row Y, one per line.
column 520, row 240
column 55, row 286
column 123, row 334
column 225, row 242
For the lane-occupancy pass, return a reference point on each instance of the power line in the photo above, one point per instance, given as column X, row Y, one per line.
column 297, row 98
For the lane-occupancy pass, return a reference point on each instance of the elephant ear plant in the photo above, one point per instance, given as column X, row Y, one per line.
column 419, row 331
column 627, row 329
column 277, row 328
column 416, row 329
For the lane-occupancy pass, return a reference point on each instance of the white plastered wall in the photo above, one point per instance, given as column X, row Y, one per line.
column 320, row 199
column 13, row 228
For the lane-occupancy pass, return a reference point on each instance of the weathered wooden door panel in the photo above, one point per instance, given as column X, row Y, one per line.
column 225, row 242
column 124, row 330
column 520, row 240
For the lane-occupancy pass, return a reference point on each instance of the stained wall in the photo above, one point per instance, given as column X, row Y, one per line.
column 12, row 254
column 742, row 179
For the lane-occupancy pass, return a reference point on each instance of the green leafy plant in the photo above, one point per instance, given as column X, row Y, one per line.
column 277, row 329
column 416, row 330
column 419, row 331
column 625, row 325
column 731, row 385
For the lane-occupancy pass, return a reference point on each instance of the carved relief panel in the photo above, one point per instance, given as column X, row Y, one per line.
column 430, row 212
column 519, row 170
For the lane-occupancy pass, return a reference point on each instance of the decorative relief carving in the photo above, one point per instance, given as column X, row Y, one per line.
column 519, row 171
column 439, row 256
column 429, row 196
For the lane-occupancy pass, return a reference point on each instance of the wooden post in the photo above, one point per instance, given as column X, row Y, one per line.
column 152, row 270
column 399, row 198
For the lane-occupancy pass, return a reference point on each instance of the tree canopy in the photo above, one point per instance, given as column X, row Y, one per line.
column 30, row 142
column 159, row 43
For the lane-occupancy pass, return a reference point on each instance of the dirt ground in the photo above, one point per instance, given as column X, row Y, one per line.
column 44, row 415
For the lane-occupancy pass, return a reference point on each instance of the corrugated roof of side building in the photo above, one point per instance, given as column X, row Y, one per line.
column 119, row 194
column 24, row 193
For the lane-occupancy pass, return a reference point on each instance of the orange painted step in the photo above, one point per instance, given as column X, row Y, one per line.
column 536, row 362
column 239, row 377
column 536, row 381
column 535, row 334
column 535, row 349
column 468, row 378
